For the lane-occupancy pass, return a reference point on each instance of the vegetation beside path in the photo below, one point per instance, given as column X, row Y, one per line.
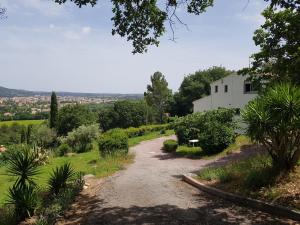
column 87, row 162
column 255, row 178
column 274, row 175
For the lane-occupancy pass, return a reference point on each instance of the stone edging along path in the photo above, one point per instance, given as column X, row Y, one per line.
column 253, row 203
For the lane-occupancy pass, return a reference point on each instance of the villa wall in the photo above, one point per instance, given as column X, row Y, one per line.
column 234, row 98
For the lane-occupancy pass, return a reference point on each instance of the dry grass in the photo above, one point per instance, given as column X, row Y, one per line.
column 254, row 177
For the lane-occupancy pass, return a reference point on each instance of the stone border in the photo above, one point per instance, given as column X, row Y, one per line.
column 248, row 202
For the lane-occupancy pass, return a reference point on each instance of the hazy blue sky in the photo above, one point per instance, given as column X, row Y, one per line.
column 45, row 46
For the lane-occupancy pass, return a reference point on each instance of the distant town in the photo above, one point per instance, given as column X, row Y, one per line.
column 20, row 105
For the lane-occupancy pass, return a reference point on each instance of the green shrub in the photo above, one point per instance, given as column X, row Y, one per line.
column 170, row 145
column 113, row 141
column 214, row 129
column 63, row 149
column 80, row 139
column 44, row 136
column 162, row 132
column 216, row 138
column 274, row 121
column 135, row 132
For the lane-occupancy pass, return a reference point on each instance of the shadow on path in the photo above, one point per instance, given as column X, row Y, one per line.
column 213, row 212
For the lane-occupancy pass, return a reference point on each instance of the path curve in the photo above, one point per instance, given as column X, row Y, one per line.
column 150, row 191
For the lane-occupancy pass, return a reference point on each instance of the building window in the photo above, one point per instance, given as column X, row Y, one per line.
column 226, row 88
column 247, row 87
column 216, row 89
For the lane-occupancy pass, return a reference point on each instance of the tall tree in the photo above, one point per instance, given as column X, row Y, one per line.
column 143, row 22
column 53, row 111
column 158, row 94
column 279, row 42
column 195, row 86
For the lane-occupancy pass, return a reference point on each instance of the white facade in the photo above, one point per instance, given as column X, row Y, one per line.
column 233, row 91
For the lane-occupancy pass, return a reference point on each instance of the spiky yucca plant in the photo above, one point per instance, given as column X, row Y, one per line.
column 274, row 121
column 23, row 165
column 59, row 178
column 24, row 198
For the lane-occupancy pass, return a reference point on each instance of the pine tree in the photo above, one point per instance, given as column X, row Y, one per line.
column 158, row 94
column 53, row 111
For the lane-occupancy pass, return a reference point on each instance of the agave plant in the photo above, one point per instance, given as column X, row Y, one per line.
column 59, row 178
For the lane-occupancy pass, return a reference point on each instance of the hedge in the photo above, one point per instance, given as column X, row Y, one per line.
column 140, row 131
column 170, row 145
column 113, row 141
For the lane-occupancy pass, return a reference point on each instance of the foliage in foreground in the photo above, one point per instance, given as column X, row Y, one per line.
column 214, row 129
column 143, row 22
column 274, row 121
column 23, row 165
column 255, row 177
column 54, row 207
column 279, row 42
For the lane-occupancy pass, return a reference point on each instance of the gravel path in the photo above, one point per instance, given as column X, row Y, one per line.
column 150, row 191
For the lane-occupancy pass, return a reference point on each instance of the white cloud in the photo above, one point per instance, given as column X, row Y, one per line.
column 86, row 30
column 71, row 35
column 256, row 19
column 29, row 7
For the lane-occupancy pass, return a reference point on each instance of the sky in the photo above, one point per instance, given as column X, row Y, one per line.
column 45, row 46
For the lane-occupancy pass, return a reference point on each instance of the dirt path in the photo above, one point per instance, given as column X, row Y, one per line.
column 150, row 191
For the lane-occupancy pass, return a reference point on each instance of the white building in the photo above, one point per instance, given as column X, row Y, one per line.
column 233, row 91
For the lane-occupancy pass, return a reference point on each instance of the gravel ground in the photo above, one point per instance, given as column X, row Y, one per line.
column 150, row 191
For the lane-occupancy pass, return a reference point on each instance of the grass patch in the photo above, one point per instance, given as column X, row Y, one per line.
column 254, row 177
column 249, row 173
column 190, row 152
column 21, row 122
column 88, row 163
column 197, row 153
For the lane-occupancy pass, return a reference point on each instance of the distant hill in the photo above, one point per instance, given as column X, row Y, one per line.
column 7, row 92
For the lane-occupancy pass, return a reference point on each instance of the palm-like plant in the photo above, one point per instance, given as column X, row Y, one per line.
column 60, row 177
column 23, row 164
column 274, row 121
